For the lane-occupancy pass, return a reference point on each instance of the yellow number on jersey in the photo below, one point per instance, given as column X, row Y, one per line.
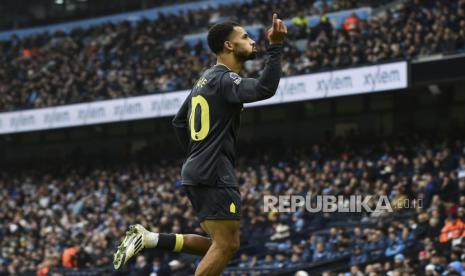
column 204, row 118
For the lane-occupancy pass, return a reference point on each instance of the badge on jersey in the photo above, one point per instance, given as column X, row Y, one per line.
column 201, row 82
column 235, row 78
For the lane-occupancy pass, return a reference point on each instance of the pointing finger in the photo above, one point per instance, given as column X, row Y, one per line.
column 275, row 21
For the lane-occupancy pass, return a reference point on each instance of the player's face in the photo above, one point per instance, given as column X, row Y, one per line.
column 244, row 47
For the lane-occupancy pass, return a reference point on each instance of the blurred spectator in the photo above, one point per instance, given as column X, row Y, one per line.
column 455, row 268
column 320, row 253
column 453, row 228
column 69, row 258
column 358, row 257
column 395, row 245
column 322, row 31
column 351, row 23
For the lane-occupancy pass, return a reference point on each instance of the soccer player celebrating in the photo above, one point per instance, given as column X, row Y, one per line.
column 207, row 125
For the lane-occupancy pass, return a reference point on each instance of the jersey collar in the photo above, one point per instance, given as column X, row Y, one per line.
column 221, row 64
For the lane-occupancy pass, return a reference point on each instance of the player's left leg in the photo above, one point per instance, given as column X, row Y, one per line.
column 138, row 238
column 219, row 210
column 226, row 241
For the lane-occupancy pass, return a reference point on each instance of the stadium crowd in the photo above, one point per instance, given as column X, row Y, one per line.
column 430, row 241
column 74, row 216
column 84, row 11
column 125, row 59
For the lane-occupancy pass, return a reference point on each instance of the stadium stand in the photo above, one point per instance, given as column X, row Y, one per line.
column 67, row 219
column 48, row 216
column 26, row 16
column 119, row 60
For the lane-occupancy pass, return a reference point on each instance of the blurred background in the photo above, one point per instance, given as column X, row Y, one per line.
column 372, row 102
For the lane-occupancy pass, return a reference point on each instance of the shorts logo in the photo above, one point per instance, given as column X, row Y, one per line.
column 235, row 77
column 232, row 208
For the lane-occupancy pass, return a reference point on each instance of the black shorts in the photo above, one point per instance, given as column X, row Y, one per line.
column 211, row 202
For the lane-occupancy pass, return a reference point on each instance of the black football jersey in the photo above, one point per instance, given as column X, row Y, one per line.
column 208, row 121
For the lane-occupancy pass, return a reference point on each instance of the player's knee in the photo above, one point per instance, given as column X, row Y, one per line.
column 235, row 245
column 229, row 246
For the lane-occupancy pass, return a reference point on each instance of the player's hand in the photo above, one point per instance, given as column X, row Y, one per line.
column 278, row 32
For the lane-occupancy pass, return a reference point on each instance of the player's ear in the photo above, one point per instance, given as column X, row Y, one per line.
column 228, row 45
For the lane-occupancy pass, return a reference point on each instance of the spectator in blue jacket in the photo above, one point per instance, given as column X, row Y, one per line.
column 395, row 245
column 320, row 253
column 358, row 257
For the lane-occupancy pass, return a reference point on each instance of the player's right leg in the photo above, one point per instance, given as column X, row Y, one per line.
column 225, row 236
column 137, row 238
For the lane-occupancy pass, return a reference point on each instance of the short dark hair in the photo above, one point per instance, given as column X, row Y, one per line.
column 218, row 34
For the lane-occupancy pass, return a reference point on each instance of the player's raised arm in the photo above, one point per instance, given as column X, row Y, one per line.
column 238, row 90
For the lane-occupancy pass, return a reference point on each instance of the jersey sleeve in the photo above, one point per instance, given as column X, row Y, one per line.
column 245, row 90
column 180, row 124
